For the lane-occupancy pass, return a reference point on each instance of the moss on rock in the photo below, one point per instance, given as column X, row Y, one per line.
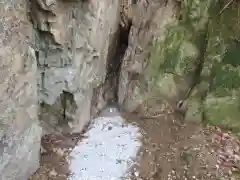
column 223, row 111
column 202, row 46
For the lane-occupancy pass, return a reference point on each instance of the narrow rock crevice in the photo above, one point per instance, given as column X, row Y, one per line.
column 68, row 68
column 114, row 66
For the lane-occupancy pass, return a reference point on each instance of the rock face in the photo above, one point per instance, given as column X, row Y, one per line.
column 149, row 21
column 55, row 56
column 185, row 55
column 53, row 53
column 73, row 41
column 20, row 132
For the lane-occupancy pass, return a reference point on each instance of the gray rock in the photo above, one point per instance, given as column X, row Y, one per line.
column 60, row 66
column 150, row 20
column 73, row 43
column 20, row 132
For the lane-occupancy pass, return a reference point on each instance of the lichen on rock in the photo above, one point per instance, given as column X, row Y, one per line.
column 191, row 59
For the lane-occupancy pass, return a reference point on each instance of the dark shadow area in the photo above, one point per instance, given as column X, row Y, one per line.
column 114, row 66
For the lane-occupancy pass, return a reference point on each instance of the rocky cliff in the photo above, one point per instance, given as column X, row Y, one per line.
column 184, row 54
column 61, row 62
column 54, row 57
column 20, row 132
column 72, row 46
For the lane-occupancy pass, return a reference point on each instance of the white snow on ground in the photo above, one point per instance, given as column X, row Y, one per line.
column 107, row 153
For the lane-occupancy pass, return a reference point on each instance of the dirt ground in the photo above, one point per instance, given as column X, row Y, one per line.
column 170, row 151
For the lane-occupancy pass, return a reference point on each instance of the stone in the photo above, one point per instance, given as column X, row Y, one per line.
column 148, row 20
column 72, row 55
column 194, row 111
column 190, row 62
column 20, row 132
column 55, row 71
column 22, row 147
column 223, row 111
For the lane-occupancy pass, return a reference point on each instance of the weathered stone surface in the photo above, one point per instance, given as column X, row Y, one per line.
column 149, row 20
column 222, row 67
column 19, row 129
column 22, row 148
column 73, row 39
column 191, row 62
column 185, row 55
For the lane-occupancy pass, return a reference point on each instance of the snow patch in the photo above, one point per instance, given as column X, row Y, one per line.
column 107, row 153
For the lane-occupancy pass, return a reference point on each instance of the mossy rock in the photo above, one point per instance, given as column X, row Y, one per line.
column 194, row 112
column 194, row 104
column 167, row 86
column 223, row 111
column 183, row 47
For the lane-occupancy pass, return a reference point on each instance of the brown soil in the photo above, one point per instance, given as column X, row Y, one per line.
column 170, row 151
column 53, row 165
column 175, row 151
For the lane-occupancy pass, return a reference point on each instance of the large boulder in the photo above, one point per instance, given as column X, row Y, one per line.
column 20, row 132
column 73, row 40
column 184, row 54
column 149, row 20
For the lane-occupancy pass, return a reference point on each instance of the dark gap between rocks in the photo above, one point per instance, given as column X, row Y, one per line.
column 114, row 66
